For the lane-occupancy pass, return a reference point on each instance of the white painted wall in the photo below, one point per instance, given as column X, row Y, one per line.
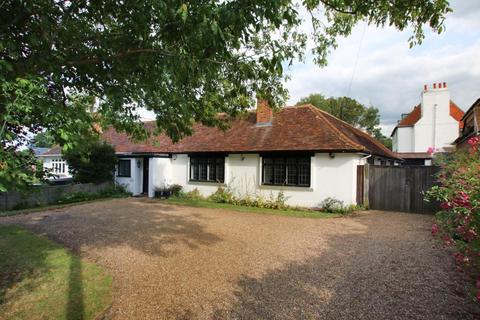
column 436, row 128
column 330, row 177
column 403, row 139
column 160, row 174
column 133, row 183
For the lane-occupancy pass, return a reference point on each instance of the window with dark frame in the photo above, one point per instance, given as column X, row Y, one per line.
column 207, row 169
column 124, row 168
column 286, row 171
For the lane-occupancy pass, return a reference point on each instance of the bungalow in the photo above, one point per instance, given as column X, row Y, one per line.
column 302, row 151
column 471, row 127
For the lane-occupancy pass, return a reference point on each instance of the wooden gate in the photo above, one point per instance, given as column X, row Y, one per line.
column 398, row 188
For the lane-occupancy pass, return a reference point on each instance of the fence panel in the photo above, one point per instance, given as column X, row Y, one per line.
column 43, row 195
column 401, row 188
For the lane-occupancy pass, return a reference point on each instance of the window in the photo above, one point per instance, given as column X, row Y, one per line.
column 208, row 169
column 286, row 171
column 58, row 166
column 124, row 168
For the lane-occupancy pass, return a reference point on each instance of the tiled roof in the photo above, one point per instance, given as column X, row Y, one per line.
column 415, row 115
column 414, row 155
column 53, row 151
column 456, row 113
column 299, row 128
column 412, row 117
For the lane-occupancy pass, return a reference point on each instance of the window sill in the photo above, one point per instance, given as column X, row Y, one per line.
column 207, row 183
column 124, row 176
column 284, row 188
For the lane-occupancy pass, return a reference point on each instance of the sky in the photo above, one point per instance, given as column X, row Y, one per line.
column 389, row 75
column 386, row 73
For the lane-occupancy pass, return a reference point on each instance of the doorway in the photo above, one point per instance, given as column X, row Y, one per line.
column 145, row 175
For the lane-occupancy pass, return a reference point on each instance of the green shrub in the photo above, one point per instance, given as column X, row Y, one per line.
column 175, row 190
column 332, row 205
column 94, row 162
column 191, row 195
column 222, row 195
column 226, row 195
column 117, row 191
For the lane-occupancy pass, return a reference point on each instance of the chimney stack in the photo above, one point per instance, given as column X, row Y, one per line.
column 264, row 113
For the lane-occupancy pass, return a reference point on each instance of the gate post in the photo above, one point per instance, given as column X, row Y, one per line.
column 366, row 185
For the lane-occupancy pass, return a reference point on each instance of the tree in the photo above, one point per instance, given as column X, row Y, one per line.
column 43, row 140
column 352, row 112
column 94, row 162
column 186, row 61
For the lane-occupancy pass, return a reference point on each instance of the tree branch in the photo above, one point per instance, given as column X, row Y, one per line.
column 331, row 6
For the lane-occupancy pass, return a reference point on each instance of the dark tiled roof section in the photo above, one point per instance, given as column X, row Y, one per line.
column 299, row 128
column 412, row 117
column 53, row 151
column 359, row 137
column 414, row 155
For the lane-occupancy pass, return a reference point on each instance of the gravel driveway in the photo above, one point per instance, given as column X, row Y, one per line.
column 173, row 262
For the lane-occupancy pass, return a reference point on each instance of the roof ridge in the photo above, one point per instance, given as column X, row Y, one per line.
column 322, row 114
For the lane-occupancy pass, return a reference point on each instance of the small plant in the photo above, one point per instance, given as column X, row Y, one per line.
column 332, row 205
column 192, row 195
column 226, row 195
column 222, row 195
column 175, row 190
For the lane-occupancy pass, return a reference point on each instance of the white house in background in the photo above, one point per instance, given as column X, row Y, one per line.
column 432, row 125
column 304, row 152
column 55, row 164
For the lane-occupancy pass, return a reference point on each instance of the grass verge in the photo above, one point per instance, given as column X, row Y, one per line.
column 281, row 212
column 52, row 206
column 39, row 279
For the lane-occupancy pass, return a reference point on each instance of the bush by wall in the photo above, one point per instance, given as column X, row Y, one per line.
column 458, row 222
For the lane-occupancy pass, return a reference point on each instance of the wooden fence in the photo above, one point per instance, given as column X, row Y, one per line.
column 396, row 188
column 45, row 194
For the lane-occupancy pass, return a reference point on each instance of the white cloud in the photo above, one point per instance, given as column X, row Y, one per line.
column 389, row 75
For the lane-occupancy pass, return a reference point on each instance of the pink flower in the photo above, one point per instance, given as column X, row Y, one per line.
column 431, row 150
column 435, row 229
column 446, row 206
column 447, row 240
column 470, row 235
column 478, row 283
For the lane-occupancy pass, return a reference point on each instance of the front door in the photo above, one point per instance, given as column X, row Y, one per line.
column 145, row 175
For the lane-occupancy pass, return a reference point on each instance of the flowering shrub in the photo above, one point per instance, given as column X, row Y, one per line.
column 458, row 222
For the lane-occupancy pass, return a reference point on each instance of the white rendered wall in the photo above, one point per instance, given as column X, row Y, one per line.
column 436, row 128
column 404, row 139
column 133, row 183
column 160, row 174
column 330, row 177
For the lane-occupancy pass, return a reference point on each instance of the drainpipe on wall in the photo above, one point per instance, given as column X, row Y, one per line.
column 434, row 126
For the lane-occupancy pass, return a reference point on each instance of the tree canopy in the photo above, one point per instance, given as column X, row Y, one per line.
column 184, row 60
column 43, row 140
column 351, row 111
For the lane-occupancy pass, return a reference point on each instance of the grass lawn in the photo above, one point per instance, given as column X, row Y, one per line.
column 282, row 212
column 39, row 279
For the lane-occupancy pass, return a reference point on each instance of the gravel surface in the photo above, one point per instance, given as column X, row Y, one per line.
column 173, row 262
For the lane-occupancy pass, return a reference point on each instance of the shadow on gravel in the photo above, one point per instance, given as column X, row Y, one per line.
column 154, row 230
column 385, row 277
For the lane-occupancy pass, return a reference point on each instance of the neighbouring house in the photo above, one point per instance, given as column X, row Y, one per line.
column 471, row 126
column 430, row 127
column 55, row 164
column 302, row 151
